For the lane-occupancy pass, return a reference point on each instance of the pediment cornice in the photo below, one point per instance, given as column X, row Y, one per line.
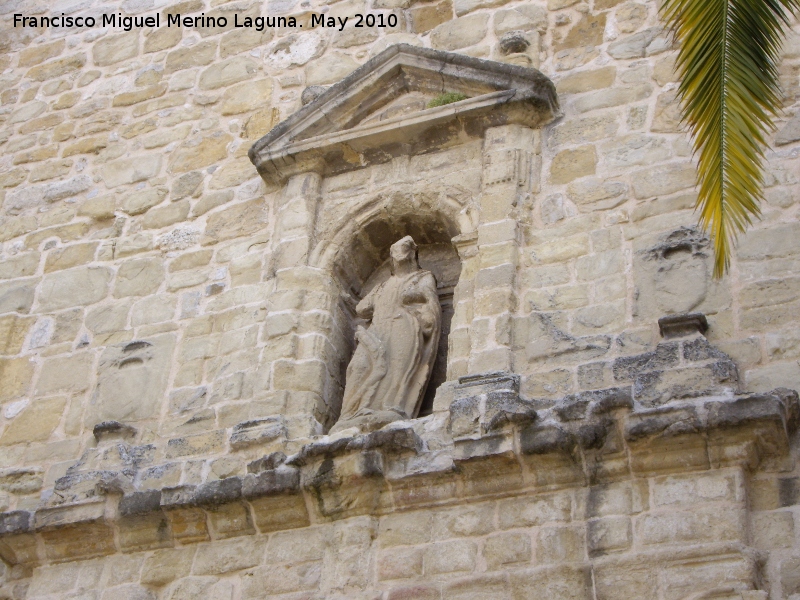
column 342, row 129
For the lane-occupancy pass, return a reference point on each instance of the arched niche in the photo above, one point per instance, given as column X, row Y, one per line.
column 362, row 263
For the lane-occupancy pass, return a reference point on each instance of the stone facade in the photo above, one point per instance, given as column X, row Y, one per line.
column 178, row 279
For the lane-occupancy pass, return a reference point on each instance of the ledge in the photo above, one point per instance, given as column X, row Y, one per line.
column 491, row 443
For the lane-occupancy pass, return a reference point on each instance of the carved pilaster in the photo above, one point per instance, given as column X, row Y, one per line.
column 511, row 166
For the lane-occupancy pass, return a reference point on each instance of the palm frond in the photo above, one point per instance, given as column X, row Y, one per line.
column 729, row 91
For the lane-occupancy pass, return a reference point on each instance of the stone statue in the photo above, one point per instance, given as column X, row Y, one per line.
column 390, row 368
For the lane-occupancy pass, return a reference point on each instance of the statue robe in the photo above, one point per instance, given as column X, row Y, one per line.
column 392, row 363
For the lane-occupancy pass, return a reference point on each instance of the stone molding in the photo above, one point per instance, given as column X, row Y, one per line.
column 328, row 134
column 492, row 443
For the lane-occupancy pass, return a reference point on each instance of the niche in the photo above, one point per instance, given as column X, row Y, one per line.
column 365, row 264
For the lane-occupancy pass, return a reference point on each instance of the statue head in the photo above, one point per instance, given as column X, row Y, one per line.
column 404, row 254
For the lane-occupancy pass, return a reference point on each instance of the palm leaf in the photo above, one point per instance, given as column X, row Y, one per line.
column 729, row 91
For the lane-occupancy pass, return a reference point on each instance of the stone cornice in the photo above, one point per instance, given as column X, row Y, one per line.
column 491, row 444
column 328, row 135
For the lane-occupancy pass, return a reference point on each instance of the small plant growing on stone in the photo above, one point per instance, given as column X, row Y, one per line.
column 446, row 98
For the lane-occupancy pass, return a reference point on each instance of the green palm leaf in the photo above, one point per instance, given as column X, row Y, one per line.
column 729, row 90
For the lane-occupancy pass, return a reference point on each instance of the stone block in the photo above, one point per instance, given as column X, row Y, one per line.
column 165, row 566
column 773, row 530
column 35, row 55
column 289, row 578
column 112, row 49
column 57, row 68
column 131, row 379
column 330, row 68
column 199, row 152
column 712, row 524
column 613, row 97
column 164, row 216
column 211, row 442
column 571, row 164
column 535, row 511
column 611, row 534
column 630, row 578
column 460, row 33
column 35, row 423
column 425, row 18
column 227, row 72
column 13, row 331
column 586, row 81
column 278, row 513
column 449, row 557
column 507, row 550
column 193, row 56
column 733, row 572
column 556, row 583
column 67, row 257
column 560, row 544
column 238, row 220
column 73, row 287
column 139, row 277
column 663, row 180
column 697, row 488
column 131, row 170
column 588, row 31
column 226, row 556
column 400, row 563
column 634, row 46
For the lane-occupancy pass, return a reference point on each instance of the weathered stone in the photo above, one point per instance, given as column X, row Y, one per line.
column 613, row 97
column 227, row 72
column 460, row 33
column 571, row 164
column 57, row 68
column 663, row 180
column 166, row 215
column 425, row 18
column 591, row 194
column 69, row 256
column 635, row 149
column 131, row 170
column 580, row 131
column 200, row 152
column 40, row 53
column 132, row 380
column 586, row 81
column 238, row 41
column 240, row 219
column 13, row 330
column 116, row 48
column 633, row 46
column 329, row 69
column 586, row 32
column 667, row 118
column 246, row 97
column 73, row 287
column 148, row 93
column 139, row 277
column 193, row 56
column 35, row 423
column 22, row 265
column 15, row 377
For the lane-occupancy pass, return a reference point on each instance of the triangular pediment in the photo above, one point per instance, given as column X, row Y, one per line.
column 384, row 103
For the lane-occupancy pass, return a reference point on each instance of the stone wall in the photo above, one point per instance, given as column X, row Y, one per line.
column 147, row 278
